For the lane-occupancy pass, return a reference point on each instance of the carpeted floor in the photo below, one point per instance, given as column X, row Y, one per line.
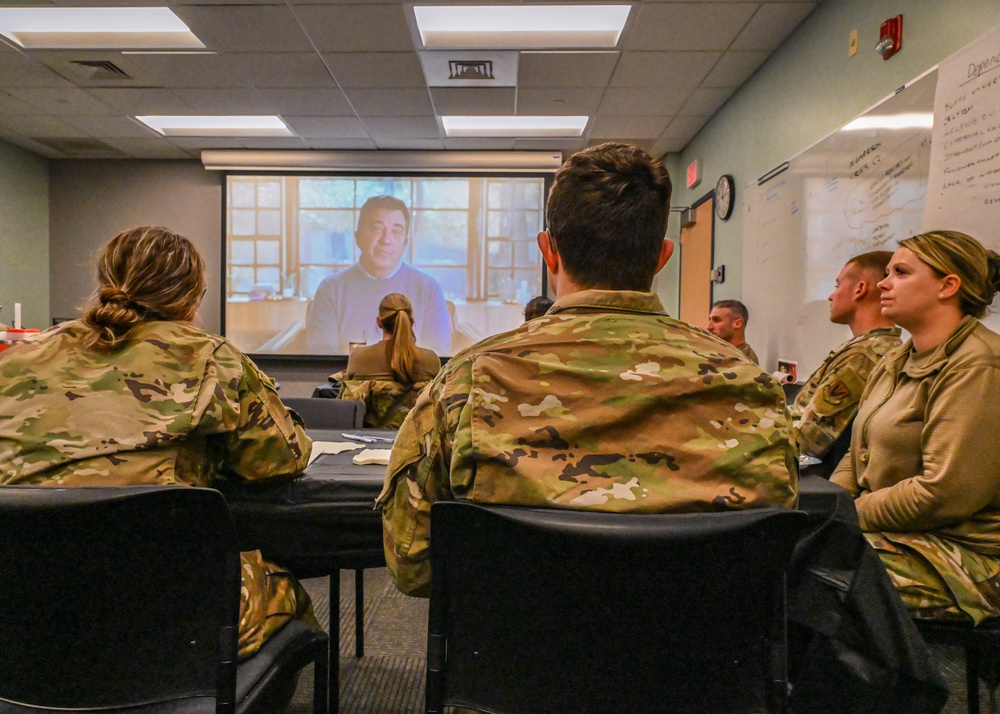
column 389, row 679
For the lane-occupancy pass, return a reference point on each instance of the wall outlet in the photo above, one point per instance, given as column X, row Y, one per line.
column 852, row 47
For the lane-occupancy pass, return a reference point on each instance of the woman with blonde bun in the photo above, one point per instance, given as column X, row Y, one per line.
column 133, row 393
column 922, row 464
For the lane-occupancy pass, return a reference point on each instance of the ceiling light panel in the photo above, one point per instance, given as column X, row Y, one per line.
column 497, row 126
column 120, row 28
column 508, row 27
column 217, row 125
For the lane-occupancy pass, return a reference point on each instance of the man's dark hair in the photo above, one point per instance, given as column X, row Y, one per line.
column 607, row 214
column 537, row 306
column 876, row 261
column 735, row 306
column 390, row 203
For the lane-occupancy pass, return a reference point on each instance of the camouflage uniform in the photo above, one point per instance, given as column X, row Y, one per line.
column 827, row 403
column 176, row 405
column 924, row 476
column 606, row 404
column 387, row 402
column 746, row 349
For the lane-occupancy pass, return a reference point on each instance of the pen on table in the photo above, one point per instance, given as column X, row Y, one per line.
column 367, row 439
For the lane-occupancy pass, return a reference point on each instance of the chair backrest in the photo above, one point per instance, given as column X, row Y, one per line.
column 569, row 611
column 386, row 402
column 328, row 413
column 115, row 597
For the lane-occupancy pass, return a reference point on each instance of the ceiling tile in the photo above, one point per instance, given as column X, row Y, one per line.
column 104, row 128
column 327, row 127
column 300, row 70
column 142, row 101
column 412, row 144
column 664, row 146
column 666, row 70
column 688, row 26
column 566, row 146
column 306, row 102
column 461, row 101
column 284, row 143
column 629, row 127
column 37, row 125
column 356, row 28
column 358, row 144
column 19, row 70
column 184, row 70
column 559, row 101
column 685, row 127
column 566, row 69
column 12, row 105
column 200, row 143
column 152, row 148
column 31, row 145
column 771, row 25
column 390, row 102
column 706, row 100
column 57, row 102
column 375, row 70
column 388, row 128
column 643, row 144
column 734, row 69
column 639, row 102
column 244, row 100
column 262, row 28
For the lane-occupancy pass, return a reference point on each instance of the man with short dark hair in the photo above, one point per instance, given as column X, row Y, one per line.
column 345, row 307
column 728, row 321
column 825, row 407
column 604, row 403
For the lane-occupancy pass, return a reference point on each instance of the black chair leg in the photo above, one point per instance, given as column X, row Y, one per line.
column 972, row 678
column 321, row 683
column 334, row 663
column 359, row 613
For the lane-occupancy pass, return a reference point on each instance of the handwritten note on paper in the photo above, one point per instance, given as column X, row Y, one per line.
column 964, row 180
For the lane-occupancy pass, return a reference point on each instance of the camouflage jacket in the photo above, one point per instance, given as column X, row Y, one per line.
column 746, row 349
column 606, row 404
column 174, row 405
column 828, row 402
column 387, row 402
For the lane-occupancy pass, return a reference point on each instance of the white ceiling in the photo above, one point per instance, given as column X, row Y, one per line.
column 348, row 75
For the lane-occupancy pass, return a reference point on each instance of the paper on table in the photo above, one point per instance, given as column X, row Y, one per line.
column 373, row 456
column 331, row 447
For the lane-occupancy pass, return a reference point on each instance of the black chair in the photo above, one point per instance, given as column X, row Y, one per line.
column 327, row 413
column 979, row 643
column 115, row 598
column 545, row 610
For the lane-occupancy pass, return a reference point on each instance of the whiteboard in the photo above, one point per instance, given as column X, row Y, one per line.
column 852, row 192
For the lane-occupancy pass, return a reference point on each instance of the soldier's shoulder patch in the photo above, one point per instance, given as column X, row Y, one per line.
column 837, row 392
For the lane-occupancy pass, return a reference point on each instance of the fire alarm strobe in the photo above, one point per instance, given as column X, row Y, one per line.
column 890, row 37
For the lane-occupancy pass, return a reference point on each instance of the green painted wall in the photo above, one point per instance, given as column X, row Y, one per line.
column 24, row 236
column 808, row 89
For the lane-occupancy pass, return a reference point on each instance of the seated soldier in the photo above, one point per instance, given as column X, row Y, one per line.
column 604, row 403
column 387, row 376
column 826, row 405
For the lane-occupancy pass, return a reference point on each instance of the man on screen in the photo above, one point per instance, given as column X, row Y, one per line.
column 345, row 307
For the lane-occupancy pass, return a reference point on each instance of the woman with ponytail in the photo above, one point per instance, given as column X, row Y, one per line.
column 396, row 357
column 133, row 393
column 922, row 464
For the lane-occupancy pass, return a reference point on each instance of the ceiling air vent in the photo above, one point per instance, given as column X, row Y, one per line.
column 99, row 70
column 479, row 71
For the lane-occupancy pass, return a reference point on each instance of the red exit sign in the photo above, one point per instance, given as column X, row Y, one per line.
column 694, row 173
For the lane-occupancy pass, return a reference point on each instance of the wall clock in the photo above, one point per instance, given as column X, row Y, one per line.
column 725, row 194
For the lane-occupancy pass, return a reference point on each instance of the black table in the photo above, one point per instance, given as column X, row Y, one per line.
column 850, row 637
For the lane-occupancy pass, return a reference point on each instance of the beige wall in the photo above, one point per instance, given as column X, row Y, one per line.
column 24, row 236
column 92, row 201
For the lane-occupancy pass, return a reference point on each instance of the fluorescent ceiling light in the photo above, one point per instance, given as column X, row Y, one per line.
column 520, row 26
column 96, row 28
column 217, row 125
column 514, row 126
column 921, row 120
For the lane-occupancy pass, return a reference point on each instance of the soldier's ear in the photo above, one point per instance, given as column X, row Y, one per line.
column 862, row 290
column 666, row 250
column 547, row 245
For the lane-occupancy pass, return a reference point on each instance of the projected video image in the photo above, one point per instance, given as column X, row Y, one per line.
column 308, row 258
